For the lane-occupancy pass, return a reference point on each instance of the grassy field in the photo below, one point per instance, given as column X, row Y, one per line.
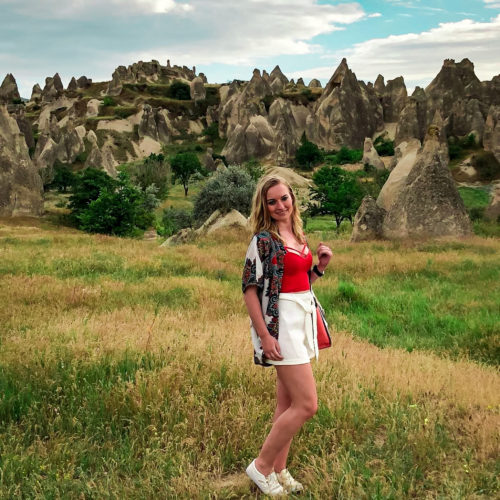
column 126, row 369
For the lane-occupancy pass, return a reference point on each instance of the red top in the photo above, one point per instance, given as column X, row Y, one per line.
column 295, row 272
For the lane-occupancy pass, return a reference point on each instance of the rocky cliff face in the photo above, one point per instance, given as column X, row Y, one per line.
column 346, row 112
column 20, row 184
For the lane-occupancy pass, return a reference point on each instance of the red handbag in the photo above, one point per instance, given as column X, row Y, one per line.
column 323, row 335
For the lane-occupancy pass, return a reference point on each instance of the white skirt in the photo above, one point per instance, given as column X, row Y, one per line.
column 297, row 329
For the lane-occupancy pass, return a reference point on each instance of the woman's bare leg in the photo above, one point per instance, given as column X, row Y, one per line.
column 298, row 380
column 283, row 403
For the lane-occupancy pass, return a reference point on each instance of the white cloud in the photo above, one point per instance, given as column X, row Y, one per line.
column 55, row 9
column 375, row 14
column 492, row 4
column 271, row 28
column 419, row 56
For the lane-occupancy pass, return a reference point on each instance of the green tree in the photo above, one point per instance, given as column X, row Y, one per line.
column 111, row 206
column 153, row 170
column 184, row 165
column 230, row 189
column 63, row 178
column 336, row 192
column 308, row 154
column 87, row 187
column 179, row 90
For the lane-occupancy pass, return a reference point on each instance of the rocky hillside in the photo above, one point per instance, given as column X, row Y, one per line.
column 147, row 105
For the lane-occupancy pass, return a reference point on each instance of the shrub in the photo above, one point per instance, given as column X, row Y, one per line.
column 119, row 208
column 384, row 147
column 254, row 168
column 63, row 178
column 108, row 101
column 230, row 189
column 486, row 165
column 212, row 132
column 153, row 170
column 308, row 154
column 179, row 90
column 346, row 155
column 175, row 219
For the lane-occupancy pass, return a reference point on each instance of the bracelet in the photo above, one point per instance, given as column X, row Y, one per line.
column 317, row 272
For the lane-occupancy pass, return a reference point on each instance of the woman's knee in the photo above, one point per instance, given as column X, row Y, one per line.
column 309, row 408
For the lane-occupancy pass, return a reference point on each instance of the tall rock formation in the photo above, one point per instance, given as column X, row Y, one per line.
column 491, row 138
column 20, row 185
column 8, row 90
column 429, row 203
column 345, row 113
column 412, row 121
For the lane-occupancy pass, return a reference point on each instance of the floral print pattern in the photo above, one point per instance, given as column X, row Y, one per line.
column 264, row 264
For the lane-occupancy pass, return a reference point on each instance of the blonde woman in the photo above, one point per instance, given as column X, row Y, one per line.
column 276, row 285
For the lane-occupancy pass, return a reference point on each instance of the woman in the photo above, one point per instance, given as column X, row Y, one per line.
column 276, row 287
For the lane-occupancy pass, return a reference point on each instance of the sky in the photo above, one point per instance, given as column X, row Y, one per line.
column 227, row 39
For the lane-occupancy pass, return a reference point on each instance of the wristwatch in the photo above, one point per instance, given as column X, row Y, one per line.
column 317, row 272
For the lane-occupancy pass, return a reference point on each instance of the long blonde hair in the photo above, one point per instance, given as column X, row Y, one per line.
column 260, row 219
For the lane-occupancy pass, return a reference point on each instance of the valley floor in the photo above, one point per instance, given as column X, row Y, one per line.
column 126, row 369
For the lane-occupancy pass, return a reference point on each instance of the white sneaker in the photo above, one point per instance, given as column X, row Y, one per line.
column 289, row 484
column 267, row 484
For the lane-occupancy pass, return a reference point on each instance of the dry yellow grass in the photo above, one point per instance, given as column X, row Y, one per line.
column 198, row 314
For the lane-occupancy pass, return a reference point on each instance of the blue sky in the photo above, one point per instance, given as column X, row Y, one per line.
column 226, row 39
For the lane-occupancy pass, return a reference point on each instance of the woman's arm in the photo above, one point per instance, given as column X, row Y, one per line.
column 270, row 345
column 324, row 255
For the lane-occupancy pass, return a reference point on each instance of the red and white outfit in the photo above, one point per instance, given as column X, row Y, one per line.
column 297, row 310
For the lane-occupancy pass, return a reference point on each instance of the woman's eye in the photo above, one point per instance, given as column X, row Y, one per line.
column 271, row 202
column 284, row 198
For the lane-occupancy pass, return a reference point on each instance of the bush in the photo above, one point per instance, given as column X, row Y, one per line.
column 231, row 189
column 153, row 170
column 100, row 204
column 64, row 178
column 108, row 101
column 457, row 145
column 384, row 147
column 212, row 132
column 346, row 155
column 180, row 91
column 486, row 165
column 175, row 219
column 254, row 168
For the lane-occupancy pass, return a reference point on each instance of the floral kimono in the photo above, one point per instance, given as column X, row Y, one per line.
column 264, row 264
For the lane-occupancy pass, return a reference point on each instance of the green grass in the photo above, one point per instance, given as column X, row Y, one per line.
column 125, row 370
column 474, row 197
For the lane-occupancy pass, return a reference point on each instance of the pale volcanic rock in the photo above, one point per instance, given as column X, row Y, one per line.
column 492, row 212
column 397, row 178
column 429, row 204
column 25, row 127
column 93, row 107
column 491, row 138
column 413, row 118
column 218, row 221
column 83, row 82
column 343, row 115
column 368, row 221
column 20, row 184
column 115, row 86
column 8, row 90
column 53, row 88
column 36, row 93
column 116, row 125
column 72, row 85
column 370, row 155
column 379, row 85
column 197, row 89
column 315, row 84
column 278, row 79
column 394, row 99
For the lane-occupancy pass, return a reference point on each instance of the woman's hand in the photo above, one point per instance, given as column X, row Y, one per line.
column 271, row 348
column 324, row 255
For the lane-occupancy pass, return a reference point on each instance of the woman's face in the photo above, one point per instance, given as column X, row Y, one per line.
column 279, row 203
